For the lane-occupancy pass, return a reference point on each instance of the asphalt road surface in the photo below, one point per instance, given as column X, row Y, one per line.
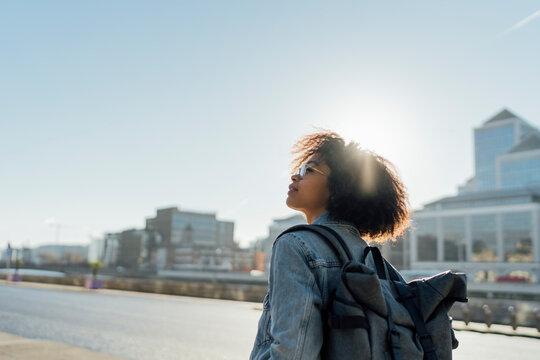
column 149, row 326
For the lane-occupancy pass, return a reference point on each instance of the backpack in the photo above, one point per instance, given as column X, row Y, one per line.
column 375, row 314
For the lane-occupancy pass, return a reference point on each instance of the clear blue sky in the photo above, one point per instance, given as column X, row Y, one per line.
column 111, row 109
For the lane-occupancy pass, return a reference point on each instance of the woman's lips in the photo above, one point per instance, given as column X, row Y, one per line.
column 292, row 189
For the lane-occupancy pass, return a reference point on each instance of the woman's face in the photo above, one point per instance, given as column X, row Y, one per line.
column 309, row 193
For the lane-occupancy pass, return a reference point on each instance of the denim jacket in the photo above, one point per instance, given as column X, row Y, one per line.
column 304, row 270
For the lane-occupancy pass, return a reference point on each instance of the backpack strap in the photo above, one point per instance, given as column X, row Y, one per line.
column 406, row 297
column 334, row 239
column 393, row 335
column 377, row 259
column 392, row 272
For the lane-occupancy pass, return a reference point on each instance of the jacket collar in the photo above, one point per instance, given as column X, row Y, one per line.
column 326, row 218
column 322, row 219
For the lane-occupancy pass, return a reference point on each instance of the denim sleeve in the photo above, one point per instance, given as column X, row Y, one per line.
column 295, row 303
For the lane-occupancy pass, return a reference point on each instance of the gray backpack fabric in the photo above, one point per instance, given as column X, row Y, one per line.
column 380, row 316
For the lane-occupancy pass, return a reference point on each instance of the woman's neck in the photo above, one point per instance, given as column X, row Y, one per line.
column 311, row 216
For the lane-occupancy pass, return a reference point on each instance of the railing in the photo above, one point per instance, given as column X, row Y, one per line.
column 486, row 313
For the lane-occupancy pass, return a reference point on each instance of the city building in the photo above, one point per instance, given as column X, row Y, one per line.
column 192, row 237
column 24, row 254
column 134, row 249
column 490, row 229
column 176, row 240
column 277, row 227
column 59, row 254
column 96, row 249
column 110, row 248
column 137, row 248
column 506, row 153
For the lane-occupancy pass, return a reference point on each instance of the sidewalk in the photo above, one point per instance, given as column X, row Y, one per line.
column 16, row 347
column 496, row 329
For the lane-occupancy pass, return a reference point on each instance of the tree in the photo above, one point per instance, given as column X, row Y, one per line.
column 18, row 264
column 95, row 265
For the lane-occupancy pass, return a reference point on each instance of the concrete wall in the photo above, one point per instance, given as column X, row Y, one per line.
column 240, row 292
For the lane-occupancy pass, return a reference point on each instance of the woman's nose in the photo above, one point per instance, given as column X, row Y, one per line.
column 295, row 177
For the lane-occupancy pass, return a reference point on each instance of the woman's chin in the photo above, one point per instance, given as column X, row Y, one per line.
column 291, row 203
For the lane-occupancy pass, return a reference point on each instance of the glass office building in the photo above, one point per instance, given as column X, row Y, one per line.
column 499, row 136
column 492, row 224
column 520, row 166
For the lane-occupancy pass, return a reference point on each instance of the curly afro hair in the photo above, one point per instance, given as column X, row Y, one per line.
column 364, row 187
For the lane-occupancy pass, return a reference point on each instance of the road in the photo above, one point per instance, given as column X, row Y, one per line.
column 150, row 326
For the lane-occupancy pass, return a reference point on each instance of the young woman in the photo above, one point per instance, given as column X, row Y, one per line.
column 356, row 192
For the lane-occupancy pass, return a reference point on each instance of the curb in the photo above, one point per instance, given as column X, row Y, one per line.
column 496, row 329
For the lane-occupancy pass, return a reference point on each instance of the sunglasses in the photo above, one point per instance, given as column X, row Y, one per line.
column 306, row 168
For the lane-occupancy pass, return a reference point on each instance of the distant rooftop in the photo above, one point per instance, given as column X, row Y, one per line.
column 486, row 198
column 530, row 142
column 295, row 217
column 503, row 115
column 175, row 210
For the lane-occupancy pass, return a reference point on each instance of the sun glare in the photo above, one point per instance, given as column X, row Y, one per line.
column 373, row 122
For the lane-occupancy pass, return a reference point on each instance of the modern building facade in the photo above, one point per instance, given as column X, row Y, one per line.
column 192, row 238
column 137, row 248
column 188, row 229
column 490, row 229
column 497, row 143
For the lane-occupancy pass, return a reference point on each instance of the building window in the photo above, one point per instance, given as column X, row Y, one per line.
column 520, row 173
column 517, row 238
column 485, row 276
column 490, row 143
column 484, row 238
column 454, row 238
column 426, row 230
